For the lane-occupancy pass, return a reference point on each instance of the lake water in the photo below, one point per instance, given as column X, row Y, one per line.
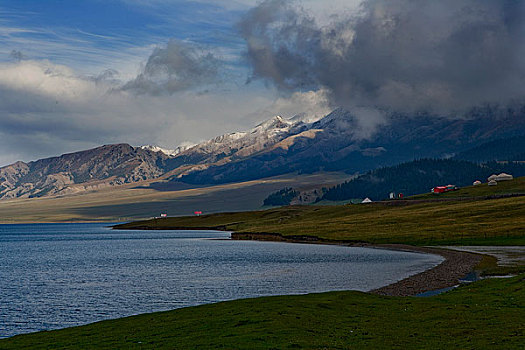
column 60, row 275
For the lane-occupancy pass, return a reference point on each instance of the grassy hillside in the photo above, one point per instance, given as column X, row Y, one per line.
column 417, row 177
column 517, row 186
column 498, row 221
column 486, row 314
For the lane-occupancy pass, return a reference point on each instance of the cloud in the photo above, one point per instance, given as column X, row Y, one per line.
column 308, row 106
column 48, row 109
column 396, row 55
column 17, row 55
column 178, row 66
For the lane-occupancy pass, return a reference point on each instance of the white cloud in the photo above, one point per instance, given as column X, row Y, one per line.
column 48, row 109
column 46, row 79
column 308, row 106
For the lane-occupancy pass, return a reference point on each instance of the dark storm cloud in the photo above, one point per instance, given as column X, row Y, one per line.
column 176, row 67
column 401, row 55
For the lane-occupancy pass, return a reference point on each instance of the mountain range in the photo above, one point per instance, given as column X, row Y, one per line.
column 337, row 142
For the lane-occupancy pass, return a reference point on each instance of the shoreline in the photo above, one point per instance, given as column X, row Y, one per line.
column 457, row 264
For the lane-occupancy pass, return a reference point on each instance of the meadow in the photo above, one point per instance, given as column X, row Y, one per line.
column 473, row 221
column 485, row 314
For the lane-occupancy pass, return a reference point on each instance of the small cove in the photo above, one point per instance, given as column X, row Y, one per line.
column 61, row 275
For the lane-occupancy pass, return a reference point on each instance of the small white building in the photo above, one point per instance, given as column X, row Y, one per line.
column 367, row 200
column 492, row 183
column 476, row 183
column 504, row 177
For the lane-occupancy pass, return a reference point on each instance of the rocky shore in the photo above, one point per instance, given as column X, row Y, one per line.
column 456, row 265
column 447, row 274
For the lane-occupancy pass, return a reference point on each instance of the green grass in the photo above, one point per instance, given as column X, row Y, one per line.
column 485, row 314
column 467, row 222
column 516, row 186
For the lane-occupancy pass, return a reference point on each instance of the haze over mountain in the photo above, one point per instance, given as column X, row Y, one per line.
column 337, row 142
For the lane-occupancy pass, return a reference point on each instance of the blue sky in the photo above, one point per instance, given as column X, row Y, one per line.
column 94, row 35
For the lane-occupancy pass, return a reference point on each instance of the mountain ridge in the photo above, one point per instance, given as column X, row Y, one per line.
column 336, row 142
column 116, row 164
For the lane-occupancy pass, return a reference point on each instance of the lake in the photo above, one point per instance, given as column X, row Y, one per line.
column 61, row 275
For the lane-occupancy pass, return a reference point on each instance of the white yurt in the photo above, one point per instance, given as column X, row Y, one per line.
column 504, row 177
column 492, row 183
column 476, row 183
column 492, row 177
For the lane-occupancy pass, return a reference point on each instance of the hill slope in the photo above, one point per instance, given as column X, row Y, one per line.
column 418, row 177
column 511, row 149
column 96, row 168
column 339, row 142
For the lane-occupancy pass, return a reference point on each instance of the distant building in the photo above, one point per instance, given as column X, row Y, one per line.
column 492, row 177
column 504, row 177
column 500, row 177
column 442, row 189
column 492, row 183
column 366, row 200
column 439, row 189
column 392, row 195
column 476, row 183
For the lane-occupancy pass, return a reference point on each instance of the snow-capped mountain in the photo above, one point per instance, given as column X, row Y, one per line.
column 337, row 142
column 241, row 144
column 342, row 142
column 246, row 142
column 113, row 165
column 168, row 152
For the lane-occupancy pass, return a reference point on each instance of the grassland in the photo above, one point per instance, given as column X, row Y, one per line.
column 464, row 222
column 486, row 314
column 140, row 200
column 516, row 186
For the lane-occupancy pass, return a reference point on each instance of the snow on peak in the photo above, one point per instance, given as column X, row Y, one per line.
column 168, row 152
column 234, row 136
column 276, row 122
